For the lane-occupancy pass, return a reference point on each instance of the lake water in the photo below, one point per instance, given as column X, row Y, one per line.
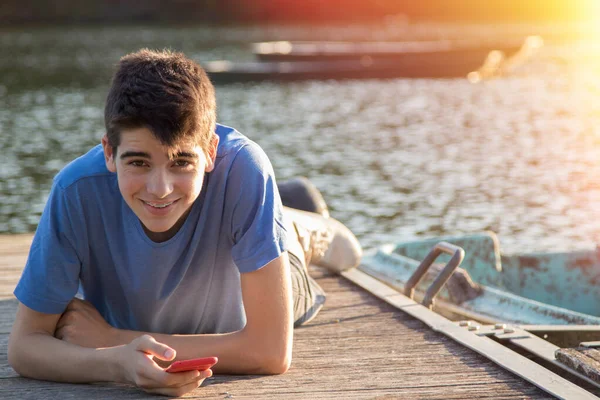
column 396, row 159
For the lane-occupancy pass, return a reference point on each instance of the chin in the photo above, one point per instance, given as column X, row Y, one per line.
column 160, row 224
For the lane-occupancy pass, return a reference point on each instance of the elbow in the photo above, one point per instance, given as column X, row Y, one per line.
column 14, row 356
column 274, row 359
column 276, row 364
column 268, row 358
column 19, row 355
column 281, row 362
column 16, row 366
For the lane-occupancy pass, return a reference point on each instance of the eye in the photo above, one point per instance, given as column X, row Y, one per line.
column 137, row 163
column 182, row 163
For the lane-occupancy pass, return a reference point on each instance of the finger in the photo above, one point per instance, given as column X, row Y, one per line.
column 84, row 304
column 65, row 334
column 59, row 325
column 155, row 378
column 59, row 333
column 198, row 377
column 150, row 346
column 78, row 304
column 177, row 391
column 65, row 319
column 179, row 379
column 73, row 303
column 206, row 374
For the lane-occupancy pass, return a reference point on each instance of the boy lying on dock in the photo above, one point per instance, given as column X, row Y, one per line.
column 174, row 234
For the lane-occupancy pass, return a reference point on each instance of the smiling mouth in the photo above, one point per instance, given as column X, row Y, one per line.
column 159, row 205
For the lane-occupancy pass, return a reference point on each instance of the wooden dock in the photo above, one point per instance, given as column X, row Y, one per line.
column 358, row 347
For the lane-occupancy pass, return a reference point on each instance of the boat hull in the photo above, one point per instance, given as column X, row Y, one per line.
column 423, row 51
column 533, row 289
column 456, row 64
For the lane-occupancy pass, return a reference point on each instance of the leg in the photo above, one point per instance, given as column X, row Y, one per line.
column 314, row 238
column 326, row 242
column 323, row 241
column 309, row 297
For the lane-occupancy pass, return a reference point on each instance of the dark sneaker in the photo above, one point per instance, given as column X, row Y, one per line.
column 301, row 194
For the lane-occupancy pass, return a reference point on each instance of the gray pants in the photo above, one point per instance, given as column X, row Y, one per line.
column 301, row 194
column 308, row 295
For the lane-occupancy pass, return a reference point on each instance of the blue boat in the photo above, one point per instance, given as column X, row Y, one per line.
column 491, row 287
column 542, row 305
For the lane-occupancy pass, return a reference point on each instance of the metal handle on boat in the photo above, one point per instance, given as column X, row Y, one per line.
column 457, row 254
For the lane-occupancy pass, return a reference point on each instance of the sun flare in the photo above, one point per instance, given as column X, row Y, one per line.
column 589, row 13
column 588, row 10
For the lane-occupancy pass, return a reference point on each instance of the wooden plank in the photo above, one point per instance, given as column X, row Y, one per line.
column 15, row 242
column 582, row 359
column 7, row 289
column 496, row 352
column 8, row 310
column 357, row 347
column 13, row 256
column 29, row 389
column 5, row 370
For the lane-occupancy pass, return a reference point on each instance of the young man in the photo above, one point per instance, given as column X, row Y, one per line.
column 174, row 233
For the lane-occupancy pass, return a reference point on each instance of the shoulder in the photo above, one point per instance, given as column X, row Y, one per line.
column 88, row 165
column 239, row 151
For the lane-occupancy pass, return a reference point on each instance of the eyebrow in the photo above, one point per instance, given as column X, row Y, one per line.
column 185, row 154
column 181, row 154
column 129, row 154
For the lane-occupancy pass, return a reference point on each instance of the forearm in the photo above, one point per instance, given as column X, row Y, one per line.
column 263, row 346
column 41, row 356
column 239, row 352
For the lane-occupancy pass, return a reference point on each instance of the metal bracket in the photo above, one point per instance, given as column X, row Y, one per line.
column 457, row 254
column 527, row 341
column 499, row 331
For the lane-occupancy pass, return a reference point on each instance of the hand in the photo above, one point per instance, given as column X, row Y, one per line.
column 140, row 369
column 82, row 324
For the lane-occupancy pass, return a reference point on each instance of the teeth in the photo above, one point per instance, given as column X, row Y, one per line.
column 158, row 205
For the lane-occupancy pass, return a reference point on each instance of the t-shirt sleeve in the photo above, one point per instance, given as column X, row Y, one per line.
column 257, row 229
column 51, row 276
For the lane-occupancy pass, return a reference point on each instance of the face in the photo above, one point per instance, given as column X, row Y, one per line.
column 160, row 184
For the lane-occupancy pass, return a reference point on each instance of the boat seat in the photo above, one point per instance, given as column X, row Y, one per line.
column 458, row 288
column 482, row 250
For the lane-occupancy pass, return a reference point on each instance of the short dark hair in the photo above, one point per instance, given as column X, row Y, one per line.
column 163, row 91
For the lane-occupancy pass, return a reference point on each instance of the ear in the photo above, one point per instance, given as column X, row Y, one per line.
column 109, row 156
column 211, row 153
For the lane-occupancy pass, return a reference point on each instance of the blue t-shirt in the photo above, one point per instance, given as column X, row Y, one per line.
column 88, row 237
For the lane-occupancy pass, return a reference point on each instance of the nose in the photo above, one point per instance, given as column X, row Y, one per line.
column 159, row 184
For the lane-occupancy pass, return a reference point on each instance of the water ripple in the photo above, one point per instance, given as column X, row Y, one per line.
column 395, row 159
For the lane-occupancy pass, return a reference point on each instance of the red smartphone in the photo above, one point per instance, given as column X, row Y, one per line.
column 195, row 364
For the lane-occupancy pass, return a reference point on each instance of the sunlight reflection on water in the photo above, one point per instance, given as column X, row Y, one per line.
column 395, row 159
